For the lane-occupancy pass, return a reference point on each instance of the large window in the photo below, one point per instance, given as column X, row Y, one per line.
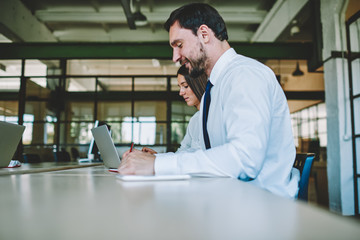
column 180, row 116
column 309, row 129
column 64, row 98
column 9, row 111
column 81, row 119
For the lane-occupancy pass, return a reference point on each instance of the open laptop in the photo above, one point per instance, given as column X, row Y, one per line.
column 111, row 158
column 10, row 137
column 104, row 142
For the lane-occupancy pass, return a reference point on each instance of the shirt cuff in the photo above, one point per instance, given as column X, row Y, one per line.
column 165, row 164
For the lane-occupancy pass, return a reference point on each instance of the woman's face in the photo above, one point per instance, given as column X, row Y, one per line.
column 186, row 92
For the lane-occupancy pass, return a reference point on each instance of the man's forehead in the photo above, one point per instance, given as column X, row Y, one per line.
column 174, row 26
column 174, row 33
column 177, row 33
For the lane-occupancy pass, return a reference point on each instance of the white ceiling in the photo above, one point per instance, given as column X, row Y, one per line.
column 105, row 20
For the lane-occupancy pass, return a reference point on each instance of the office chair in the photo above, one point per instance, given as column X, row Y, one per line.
column 31, row 158
column 62, row 156
column 303, row 162
column 75, row 154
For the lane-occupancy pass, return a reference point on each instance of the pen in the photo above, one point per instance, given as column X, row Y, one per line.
column 132, row 145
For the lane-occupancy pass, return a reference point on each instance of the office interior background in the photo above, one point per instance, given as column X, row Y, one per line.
column 65, row 64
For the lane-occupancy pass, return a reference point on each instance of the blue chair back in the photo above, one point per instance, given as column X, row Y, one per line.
column 303, row 162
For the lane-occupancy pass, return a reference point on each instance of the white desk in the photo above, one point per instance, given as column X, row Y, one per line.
column 90, row 203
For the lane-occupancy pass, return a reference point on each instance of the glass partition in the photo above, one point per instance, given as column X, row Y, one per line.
column 115, row 84
column 174, row 84
column 81, row 84
column 9, row 84
column 63, row 98
column 150, row 84
column 81, row 118
column 116, row 115
column 35, row 68
column 9, row 111
column 39, row 122
column 357, row 116
column 156, row 109
column 10, row 68
column 310, row 131
column 180, row 116
column 37, row 87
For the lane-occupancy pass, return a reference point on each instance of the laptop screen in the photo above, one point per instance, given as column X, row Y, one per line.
column 8, row 144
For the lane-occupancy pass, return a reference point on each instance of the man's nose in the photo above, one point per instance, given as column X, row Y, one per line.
column 176, row 55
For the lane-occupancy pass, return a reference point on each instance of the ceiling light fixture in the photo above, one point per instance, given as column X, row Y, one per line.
column 295, row 29
column 297, row 71
column 129, row 16
column 139, row 18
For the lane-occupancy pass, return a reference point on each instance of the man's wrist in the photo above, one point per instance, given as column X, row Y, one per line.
column 165, row 164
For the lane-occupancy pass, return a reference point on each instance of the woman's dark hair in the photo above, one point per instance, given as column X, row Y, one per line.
column 197, row 85
column 193, row 15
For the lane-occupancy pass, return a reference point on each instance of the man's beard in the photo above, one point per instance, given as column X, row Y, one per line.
column 198, row 65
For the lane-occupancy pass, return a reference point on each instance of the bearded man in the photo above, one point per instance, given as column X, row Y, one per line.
column 245, row 120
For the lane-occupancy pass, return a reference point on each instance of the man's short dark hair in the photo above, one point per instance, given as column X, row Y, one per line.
column 193, row 15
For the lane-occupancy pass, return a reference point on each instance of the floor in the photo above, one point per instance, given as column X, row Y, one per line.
column 312, row 197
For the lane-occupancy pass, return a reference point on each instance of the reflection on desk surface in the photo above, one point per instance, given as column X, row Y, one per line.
column 44, row 167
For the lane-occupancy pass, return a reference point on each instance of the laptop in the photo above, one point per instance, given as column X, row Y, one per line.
column 111, row 158
column 10, row 137
column 106, row 146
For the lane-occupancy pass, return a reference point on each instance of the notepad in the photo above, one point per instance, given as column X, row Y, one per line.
column 138, row 178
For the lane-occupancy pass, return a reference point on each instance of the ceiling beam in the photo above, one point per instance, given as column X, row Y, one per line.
column 153, row 33
column 18, row 24
column 148, row 50
column 155, row 95
column 238, row 17
column 278, row 18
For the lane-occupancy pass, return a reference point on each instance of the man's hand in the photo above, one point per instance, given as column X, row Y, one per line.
column 137, row 163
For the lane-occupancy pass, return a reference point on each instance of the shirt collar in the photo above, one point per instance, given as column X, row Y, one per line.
column 220, row 64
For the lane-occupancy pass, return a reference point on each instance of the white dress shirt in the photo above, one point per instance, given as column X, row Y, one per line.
column 249, row 128
column 192, row 138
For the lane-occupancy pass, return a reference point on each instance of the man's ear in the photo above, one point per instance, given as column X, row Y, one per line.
column 204, row 33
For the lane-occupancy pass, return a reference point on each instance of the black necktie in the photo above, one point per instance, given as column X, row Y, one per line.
column 207, row 100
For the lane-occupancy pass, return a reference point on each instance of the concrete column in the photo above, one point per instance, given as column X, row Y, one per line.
column 339, row 148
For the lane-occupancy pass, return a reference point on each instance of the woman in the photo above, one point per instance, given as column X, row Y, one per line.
column 197, row 86
column 191, row 90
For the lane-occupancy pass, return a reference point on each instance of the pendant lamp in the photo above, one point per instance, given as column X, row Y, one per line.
column 297, row 71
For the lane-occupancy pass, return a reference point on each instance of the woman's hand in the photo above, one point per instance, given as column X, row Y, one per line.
column 148, row 150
